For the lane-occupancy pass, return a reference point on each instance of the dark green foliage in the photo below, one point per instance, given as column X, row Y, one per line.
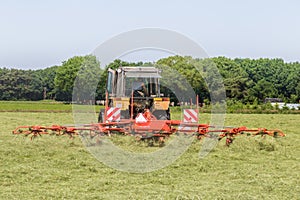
column 245, row 80
column 87, row 79
column 65, row 77
column 47, row 78
column 235, row 78
column 272, row 78
column 20, row 85
column 180, row 72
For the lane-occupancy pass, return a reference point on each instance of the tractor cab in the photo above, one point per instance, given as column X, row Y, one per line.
column 125, row 80
column 139, row 87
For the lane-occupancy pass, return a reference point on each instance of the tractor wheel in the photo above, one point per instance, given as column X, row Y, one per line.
column 162, row 114
column 125, row 114
column 101, row 116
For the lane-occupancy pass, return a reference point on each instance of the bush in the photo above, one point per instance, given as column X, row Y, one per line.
column 285, row 107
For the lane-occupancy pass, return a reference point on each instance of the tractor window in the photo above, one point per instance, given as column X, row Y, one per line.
column 135, row 84
column 151, row 86
column 110, row 82
column 128, row 86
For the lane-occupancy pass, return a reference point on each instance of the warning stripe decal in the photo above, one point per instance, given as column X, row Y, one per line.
column 113, row 114
column 190, row 115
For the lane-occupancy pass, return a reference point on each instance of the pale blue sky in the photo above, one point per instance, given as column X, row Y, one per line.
column 38, row 34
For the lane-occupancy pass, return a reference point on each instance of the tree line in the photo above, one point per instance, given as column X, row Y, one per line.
column 245, row 80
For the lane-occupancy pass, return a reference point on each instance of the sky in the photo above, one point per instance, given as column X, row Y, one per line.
column 37, row 34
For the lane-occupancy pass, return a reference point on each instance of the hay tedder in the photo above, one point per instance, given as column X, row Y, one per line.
column 134, row 106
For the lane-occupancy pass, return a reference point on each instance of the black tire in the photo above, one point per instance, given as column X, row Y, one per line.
column 162, row 114
column 101, row 116
column 125, row 114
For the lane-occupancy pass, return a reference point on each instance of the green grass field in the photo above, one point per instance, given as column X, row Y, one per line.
column 34, row 106
column 39, row 106
column 52, row 167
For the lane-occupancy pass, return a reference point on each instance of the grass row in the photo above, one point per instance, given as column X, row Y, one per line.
column 40, row 106
column 54, row 106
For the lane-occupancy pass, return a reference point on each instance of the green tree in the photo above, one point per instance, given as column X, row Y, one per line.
column 263, row 89
column 179, row 74
column 86, row 68
column 235, row 78
column 47, row 77
column 18, row 84
column 87, row 80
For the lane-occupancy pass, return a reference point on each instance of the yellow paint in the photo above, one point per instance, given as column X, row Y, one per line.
column 157, row 99
column 161, row 105
column 123, row 103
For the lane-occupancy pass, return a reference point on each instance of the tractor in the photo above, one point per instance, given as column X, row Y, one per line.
column 138, row 86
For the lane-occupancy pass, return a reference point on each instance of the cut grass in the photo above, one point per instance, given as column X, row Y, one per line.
column 42, row 106
column 53, row 167
column 34, row 106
